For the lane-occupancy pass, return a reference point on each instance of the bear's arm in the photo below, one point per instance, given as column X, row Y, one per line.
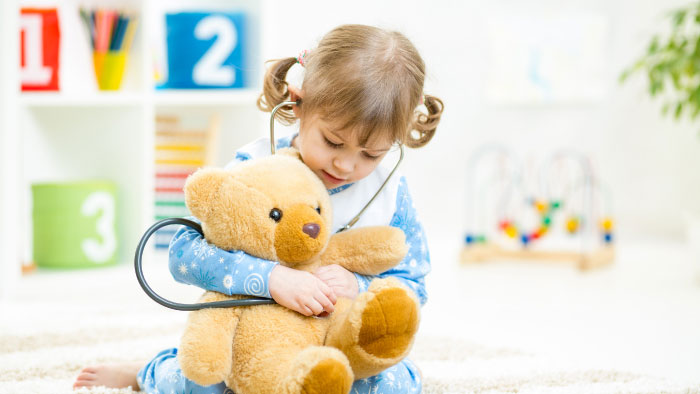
column 366, row 250
column 416, row 265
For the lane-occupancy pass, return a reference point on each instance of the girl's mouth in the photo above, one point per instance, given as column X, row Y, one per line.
column 330, row 178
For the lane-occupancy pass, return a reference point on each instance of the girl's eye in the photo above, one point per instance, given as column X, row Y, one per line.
column 331, row 144
column 367, row 155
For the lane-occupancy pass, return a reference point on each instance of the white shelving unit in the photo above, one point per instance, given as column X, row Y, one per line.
column 83, row 133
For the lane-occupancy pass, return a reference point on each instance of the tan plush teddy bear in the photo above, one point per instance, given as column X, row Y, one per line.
column 275, row 208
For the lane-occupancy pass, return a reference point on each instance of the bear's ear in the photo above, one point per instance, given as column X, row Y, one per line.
column 291, row 152
column 202, row 189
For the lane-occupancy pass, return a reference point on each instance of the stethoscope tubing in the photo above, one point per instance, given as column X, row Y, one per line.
column 138, row 258
column 138, row 266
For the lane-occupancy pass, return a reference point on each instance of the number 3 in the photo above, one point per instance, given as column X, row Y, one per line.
column 94, row 250
column 210, row 70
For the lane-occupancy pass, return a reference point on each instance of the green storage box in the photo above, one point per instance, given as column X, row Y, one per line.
column 74, row 224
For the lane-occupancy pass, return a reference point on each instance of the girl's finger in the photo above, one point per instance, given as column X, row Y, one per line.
column 323, row 272
column 328, row 292
column 321, row 269
column 325, row 302
column 324, row 276
column 315, row 306
column 305, row 310
column 333, row 283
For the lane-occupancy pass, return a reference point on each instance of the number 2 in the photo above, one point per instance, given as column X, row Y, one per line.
column 210, row 70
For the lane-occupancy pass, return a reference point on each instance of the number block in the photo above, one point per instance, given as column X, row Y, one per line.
column 205, row 50
column 74, row 224
column 40, row 48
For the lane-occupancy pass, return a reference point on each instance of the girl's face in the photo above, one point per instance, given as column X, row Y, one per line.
column 334, row 155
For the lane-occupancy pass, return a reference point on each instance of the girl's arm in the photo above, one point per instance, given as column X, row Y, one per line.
column 193, row 261
column 412, row 270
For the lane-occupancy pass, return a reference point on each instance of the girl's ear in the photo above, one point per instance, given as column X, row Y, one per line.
column 295, row 94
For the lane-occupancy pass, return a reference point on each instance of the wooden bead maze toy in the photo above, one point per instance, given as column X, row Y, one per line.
column 560, row 213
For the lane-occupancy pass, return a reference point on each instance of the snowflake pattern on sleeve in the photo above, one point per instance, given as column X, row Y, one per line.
column 195, row 262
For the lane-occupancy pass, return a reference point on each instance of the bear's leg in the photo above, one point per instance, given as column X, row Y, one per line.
column 277, row 350
column 318, row 370
column 206, row 346
column 376, row 331
column 294, row 370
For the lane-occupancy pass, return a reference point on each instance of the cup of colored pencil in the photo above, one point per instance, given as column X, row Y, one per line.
column 111, row 35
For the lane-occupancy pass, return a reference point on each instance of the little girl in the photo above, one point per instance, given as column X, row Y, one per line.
column 361, row 90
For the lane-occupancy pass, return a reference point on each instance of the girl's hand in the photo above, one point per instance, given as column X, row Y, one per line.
column 341, row 281
column 301, row 291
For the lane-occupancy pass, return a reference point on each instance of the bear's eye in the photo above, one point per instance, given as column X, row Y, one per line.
column 318, row 209
column 276, row 214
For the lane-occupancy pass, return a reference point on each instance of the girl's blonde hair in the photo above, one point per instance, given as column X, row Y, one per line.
column 361, row 78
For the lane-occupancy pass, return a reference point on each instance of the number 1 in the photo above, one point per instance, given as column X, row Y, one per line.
column 34, row 71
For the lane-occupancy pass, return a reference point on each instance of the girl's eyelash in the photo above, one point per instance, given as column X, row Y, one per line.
column 332, row 145
column 338, row 146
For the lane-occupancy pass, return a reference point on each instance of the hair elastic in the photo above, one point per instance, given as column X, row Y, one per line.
column 301, row 58
column 422, row 99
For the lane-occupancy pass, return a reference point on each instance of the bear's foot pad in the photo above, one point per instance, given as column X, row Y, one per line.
column 329, row 376
column 389, row 322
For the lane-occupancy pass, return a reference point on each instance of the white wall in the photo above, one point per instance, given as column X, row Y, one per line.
column 651, row 163
column 9, row 234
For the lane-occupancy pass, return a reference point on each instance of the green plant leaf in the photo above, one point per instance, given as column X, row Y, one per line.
column 653, row 46
column 672, row 63
column 695, row 113
column 678, row 111
column 665, row 108
column 624, row 75
column 679, row 17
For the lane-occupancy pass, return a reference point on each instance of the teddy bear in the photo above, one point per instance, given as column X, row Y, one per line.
column 277, row 209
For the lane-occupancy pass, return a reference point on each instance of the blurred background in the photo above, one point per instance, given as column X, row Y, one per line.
column 120, row 114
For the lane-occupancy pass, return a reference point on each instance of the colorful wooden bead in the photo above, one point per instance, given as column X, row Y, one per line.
column 572, row 225
column 606, row 224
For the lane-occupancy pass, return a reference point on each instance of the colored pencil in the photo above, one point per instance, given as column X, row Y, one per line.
column 109, row 30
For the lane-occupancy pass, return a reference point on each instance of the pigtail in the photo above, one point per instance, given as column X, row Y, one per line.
column 424, row 126
column 275, row 89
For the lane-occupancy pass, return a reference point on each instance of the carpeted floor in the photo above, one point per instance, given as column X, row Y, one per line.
column 62, row 321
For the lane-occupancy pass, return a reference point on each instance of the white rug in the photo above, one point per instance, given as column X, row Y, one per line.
column 61, row 322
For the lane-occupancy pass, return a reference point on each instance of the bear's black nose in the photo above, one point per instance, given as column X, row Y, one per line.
column 311, row 229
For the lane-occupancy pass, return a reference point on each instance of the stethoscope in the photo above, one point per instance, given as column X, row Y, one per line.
column 138, row 263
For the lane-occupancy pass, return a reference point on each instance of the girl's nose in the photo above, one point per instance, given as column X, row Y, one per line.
column 344, row 164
